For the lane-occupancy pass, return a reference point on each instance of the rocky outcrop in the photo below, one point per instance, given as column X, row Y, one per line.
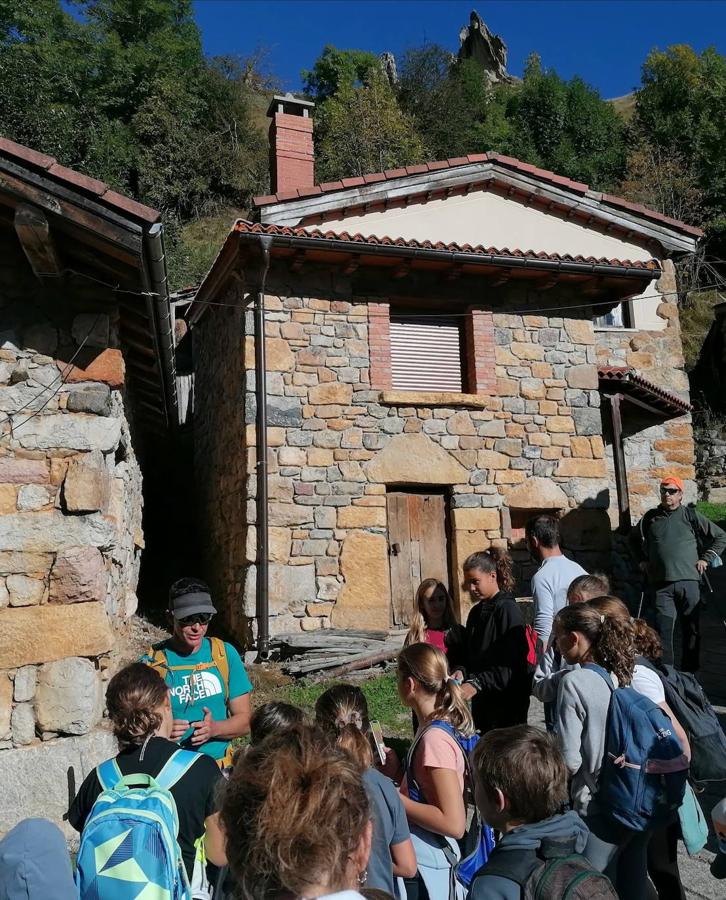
column 489, row 50
column 388, row 64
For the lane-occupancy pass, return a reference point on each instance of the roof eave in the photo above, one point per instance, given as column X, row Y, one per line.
column 294, row 209
column 228, row 259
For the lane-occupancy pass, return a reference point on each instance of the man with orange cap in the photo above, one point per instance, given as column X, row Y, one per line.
column 675, row 545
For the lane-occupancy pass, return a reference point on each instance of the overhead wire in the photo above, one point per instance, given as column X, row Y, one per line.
column 720, row 282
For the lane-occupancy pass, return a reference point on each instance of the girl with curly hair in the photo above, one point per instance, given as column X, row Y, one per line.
column 599, row 631
column 297, row 820
column 495, row 652
column 139, row 707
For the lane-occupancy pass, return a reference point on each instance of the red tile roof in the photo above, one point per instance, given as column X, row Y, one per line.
column 509, row 162
column 100, row 191
column 244, row 227
column 628, row 378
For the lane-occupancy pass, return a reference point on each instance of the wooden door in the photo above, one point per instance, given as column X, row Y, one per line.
column 417, row 547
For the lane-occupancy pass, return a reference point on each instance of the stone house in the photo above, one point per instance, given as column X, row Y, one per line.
column 87, row 396
column 447, row 349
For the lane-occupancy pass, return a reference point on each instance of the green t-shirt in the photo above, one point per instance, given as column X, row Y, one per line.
column 192, row 690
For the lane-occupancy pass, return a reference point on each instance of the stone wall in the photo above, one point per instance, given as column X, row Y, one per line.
column 336, row 444
column 70, row 526
column 652, row 449
column 221, row 455
column 709, row 432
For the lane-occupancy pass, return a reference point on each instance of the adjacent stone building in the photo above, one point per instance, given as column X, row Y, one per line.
column 86, row 391
column 449, row 348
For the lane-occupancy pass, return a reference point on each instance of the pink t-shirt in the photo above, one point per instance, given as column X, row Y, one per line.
column 437, row 638
column 436, row 750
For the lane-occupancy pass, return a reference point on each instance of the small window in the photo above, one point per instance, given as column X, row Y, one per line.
column 619, row 317
column 426, row 353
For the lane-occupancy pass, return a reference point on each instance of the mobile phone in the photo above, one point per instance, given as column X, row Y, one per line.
column 377, row 733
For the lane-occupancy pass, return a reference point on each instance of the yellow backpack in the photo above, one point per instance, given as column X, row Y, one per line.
column 158, row 660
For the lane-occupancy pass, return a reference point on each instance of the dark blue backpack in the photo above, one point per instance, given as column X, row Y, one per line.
column 478, row 840
column 644, row 771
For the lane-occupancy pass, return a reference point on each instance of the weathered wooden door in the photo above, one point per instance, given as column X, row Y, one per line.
column 417, row 547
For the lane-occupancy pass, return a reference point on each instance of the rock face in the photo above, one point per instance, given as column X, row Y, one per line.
column 68, row 696
column 488, row 49
column 388, row 64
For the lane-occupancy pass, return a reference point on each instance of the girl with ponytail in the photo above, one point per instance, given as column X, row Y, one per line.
column 435, row 768
column 342, row 712
column 599, row 631
column 498, row 680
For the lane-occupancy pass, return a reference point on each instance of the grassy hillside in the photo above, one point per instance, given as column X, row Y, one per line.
column 624, row 105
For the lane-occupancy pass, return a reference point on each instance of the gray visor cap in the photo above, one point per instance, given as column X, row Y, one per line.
column 190, row 604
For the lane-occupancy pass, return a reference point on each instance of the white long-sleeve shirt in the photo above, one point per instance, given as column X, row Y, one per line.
column 549, row 590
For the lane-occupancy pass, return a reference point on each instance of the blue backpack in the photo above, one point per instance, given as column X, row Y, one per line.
column 644, row 771
column 129, row 843
column 478, row 840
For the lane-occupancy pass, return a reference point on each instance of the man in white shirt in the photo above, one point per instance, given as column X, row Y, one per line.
column 550, row 581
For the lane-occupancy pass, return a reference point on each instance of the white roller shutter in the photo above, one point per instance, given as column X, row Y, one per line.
column 426, row 354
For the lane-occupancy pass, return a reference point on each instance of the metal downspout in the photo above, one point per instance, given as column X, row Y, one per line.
column 164, row 326
column 263, row 563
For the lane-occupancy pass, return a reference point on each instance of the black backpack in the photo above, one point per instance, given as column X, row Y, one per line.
column 690, row 706
column 553, row 872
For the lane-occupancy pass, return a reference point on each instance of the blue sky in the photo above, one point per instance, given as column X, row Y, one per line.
column 604, row 41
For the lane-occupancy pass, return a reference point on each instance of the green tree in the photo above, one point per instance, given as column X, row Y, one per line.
column 448, row 100
column 335, row 70
column 362, row 129
column 680, row 109
column 123, row 92
column 567, row 127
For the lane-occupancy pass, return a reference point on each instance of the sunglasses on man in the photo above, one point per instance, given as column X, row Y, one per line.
column 666, row 490
column 196, row 619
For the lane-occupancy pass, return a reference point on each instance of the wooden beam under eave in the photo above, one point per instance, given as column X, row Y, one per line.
column 33, row 231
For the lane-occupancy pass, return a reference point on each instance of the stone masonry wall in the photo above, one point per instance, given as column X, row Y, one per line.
column 70, row 535
column 336, row 444
column 710, row 437
column 651, row 451
column 220, row 455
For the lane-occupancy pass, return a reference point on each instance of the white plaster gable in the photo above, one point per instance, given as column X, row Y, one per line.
column 487, row 218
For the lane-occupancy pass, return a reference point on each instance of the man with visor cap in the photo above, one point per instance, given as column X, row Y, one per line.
column 674, row 546
column 210, row 689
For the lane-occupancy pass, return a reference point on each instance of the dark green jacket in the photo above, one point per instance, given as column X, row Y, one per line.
column 667, row 541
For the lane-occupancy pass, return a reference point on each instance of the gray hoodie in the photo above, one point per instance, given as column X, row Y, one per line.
column 527, row 837
column 34, row 863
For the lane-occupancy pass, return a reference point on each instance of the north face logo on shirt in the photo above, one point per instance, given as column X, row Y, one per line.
column 198, row 686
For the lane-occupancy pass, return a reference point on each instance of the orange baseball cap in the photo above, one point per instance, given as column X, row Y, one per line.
column 674, row 480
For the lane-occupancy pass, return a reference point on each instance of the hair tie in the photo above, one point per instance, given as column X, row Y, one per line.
column 602, row 620
column 456, row 681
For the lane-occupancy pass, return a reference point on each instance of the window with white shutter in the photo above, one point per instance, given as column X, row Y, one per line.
column 426, row 353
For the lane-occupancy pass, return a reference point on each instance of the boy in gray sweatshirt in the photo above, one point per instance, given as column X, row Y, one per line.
column 521, row 787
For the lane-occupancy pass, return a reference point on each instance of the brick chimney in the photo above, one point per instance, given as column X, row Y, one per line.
column 292, row 160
